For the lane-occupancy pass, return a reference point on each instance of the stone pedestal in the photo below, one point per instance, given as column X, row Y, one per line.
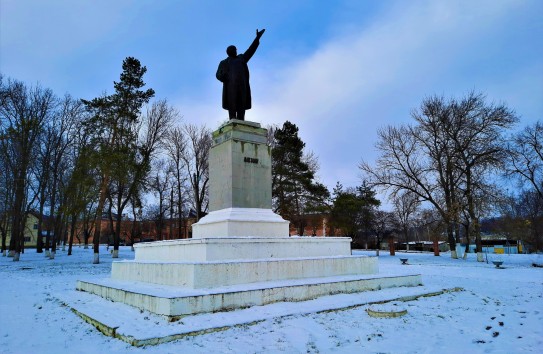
column 240, row 198
column 240, row 167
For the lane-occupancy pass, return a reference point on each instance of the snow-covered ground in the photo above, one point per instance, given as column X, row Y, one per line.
column 499, row 311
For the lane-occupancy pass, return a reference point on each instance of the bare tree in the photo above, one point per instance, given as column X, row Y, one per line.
column 525, row 156
column 6, row 195
column 195, row 158
column 78, row 187
column 24, row 112
column 159, row 182
column 175, row 146
column 522, row 218
column 152, row 135
column 406, row 204
column 429, row 226
column 382, row 227
column 477, row 130
column 42, row 177
column 412, row 161
column 270, row 135
column 60, row 136
column 445, row 157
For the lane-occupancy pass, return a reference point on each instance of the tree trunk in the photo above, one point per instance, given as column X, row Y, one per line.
column 181, row 234
column 391, row 246
column 468, row 241
column 478, row 241
column 86, row 235
column 170, row 233
column 117, row 237
column 18, row 215
column 56, row 236
column 47, row 242
column 452, row 240
column 72, row 233
column 133, row 232
column 4, row 237
column 118, row 221
column 406, row 235
column 98, row 219
column 64, row 233
column 39, row 245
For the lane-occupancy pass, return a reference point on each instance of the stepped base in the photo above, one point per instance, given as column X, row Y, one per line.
column 175, row 302
column 197, row 275
column 186, row 277
column 252, row 222
column 141, row 328
column 241, row 248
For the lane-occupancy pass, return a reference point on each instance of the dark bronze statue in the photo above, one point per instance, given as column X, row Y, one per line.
column 233, row 72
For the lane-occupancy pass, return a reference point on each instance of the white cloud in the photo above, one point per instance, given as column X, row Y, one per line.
column 374, row 76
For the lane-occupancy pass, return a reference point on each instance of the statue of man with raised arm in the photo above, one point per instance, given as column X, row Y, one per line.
column 233, row 72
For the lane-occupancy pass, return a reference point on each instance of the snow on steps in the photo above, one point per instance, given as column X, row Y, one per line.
column 175, row 302
column 140, row 328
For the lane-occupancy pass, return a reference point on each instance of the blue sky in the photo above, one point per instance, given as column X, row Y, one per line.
column 337, row 69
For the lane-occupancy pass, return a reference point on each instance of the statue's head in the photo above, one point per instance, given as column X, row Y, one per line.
column 232, row 51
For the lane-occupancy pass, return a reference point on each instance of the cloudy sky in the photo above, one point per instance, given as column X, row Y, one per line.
column 337, row 69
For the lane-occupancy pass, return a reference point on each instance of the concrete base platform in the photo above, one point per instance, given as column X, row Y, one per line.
column 198, row 275
column 241, row 248
column 241, row 222
column 174, row 302
column 143, row 328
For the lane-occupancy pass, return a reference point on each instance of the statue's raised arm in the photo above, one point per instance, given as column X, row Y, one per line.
column 233, row 72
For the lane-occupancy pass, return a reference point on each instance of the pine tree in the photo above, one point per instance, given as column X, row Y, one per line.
column 353, row 210
column 294, row 189
column 113, row 127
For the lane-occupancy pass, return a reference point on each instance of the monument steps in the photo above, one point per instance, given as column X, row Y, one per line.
column 141, row 328
column 212, row 274
column 176, row 302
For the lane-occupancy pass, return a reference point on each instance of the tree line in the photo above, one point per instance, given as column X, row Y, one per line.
column 82, row 160
column 443, row 176
column 455, row 157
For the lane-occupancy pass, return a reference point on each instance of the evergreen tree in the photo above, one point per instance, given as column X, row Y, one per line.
column 294, row 189
column 353, row 210
column 113, row 127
